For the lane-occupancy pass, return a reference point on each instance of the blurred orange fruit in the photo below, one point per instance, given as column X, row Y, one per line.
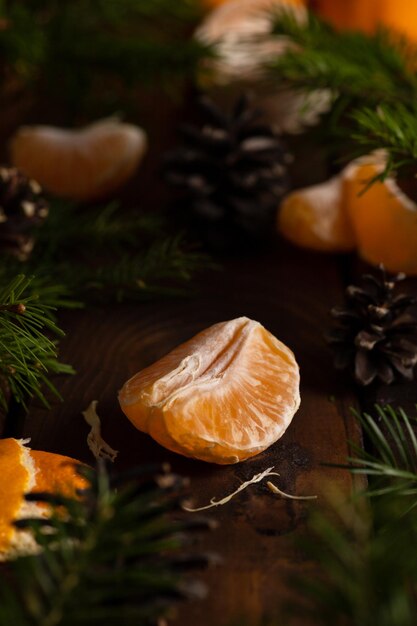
column 84, row 164
column 223, row 396
column 21, row 471
column 315, row 218
column 367, row 15
column 384, row 219
column 255, row 3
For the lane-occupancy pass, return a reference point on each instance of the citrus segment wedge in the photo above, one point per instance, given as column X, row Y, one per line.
column 85, row 164
column 223, row 396
column 315, row 218
column 383, row 217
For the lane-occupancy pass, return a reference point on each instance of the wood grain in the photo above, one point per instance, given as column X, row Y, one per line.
column 288, row 291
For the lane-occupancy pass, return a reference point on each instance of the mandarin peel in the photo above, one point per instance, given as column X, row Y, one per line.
column 223, row 396
column 23, row 471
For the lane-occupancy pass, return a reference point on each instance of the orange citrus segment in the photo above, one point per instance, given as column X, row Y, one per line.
column 13, row 485
column 383, row 217
column 81, row 164
column 315, row 218
column 223, row 396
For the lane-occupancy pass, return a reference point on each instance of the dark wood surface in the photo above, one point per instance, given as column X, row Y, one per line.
column 288, row 291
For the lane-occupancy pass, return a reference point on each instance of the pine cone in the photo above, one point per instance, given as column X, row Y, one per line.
column 22, row 209
column 233, row 171
column 375, row 338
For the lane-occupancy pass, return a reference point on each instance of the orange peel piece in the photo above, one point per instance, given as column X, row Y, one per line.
column 22, row 471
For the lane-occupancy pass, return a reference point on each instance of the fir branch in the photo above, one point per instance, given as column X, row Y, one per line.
column 111, row 557
column 87, row 55
column 373, row 82
column 392, row 128
column 368, row 573
column 392, row 465
column 105, row 254
column 27, row 355
column 357, row 67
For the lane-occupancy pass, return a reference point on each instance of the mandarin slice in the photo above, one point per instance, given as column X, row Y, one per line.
column 83, row 164
column 315, row 218
column 383, row 217
column 22, row 471
column 223, row 396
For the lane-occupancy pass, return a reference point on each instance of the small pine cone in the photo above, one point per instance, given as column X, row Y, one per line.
column 233, row 171
column 375, row 336
column 22, row 210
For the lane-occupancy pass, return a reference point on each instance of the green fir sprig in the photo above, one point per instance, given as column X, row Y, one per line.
column 28, row 355
column 372, row 80
column 391, row 463
column 113, row 556
column 88, row 55
column 108, row 254
column 366, row 572
column 393, row 129
column 356, row 67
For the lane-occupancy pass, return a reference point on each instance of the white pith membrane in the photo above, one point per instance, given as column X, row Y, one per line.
column 99, row 448
column 257, row 478
column 201, row 370
column 22, row 541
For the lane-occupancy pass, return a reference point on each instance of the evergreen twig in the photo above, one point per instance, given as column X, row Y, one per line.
column 373, row 82
column 368, row 573
column 392, row 128
column 110, row 557
column 27, row 354
column 107, row 255
column 87, row 55
column 357, row 67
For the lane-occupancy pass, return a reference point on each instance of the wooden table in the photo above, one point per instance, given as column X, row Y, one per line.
column 290, row 292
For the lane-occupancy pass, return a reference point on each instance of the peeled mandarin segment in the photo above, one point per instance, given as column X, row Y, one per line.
column 14, row 480
column 223, row 396
column 315, row 218
column 383, row 217
column 81, row 164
